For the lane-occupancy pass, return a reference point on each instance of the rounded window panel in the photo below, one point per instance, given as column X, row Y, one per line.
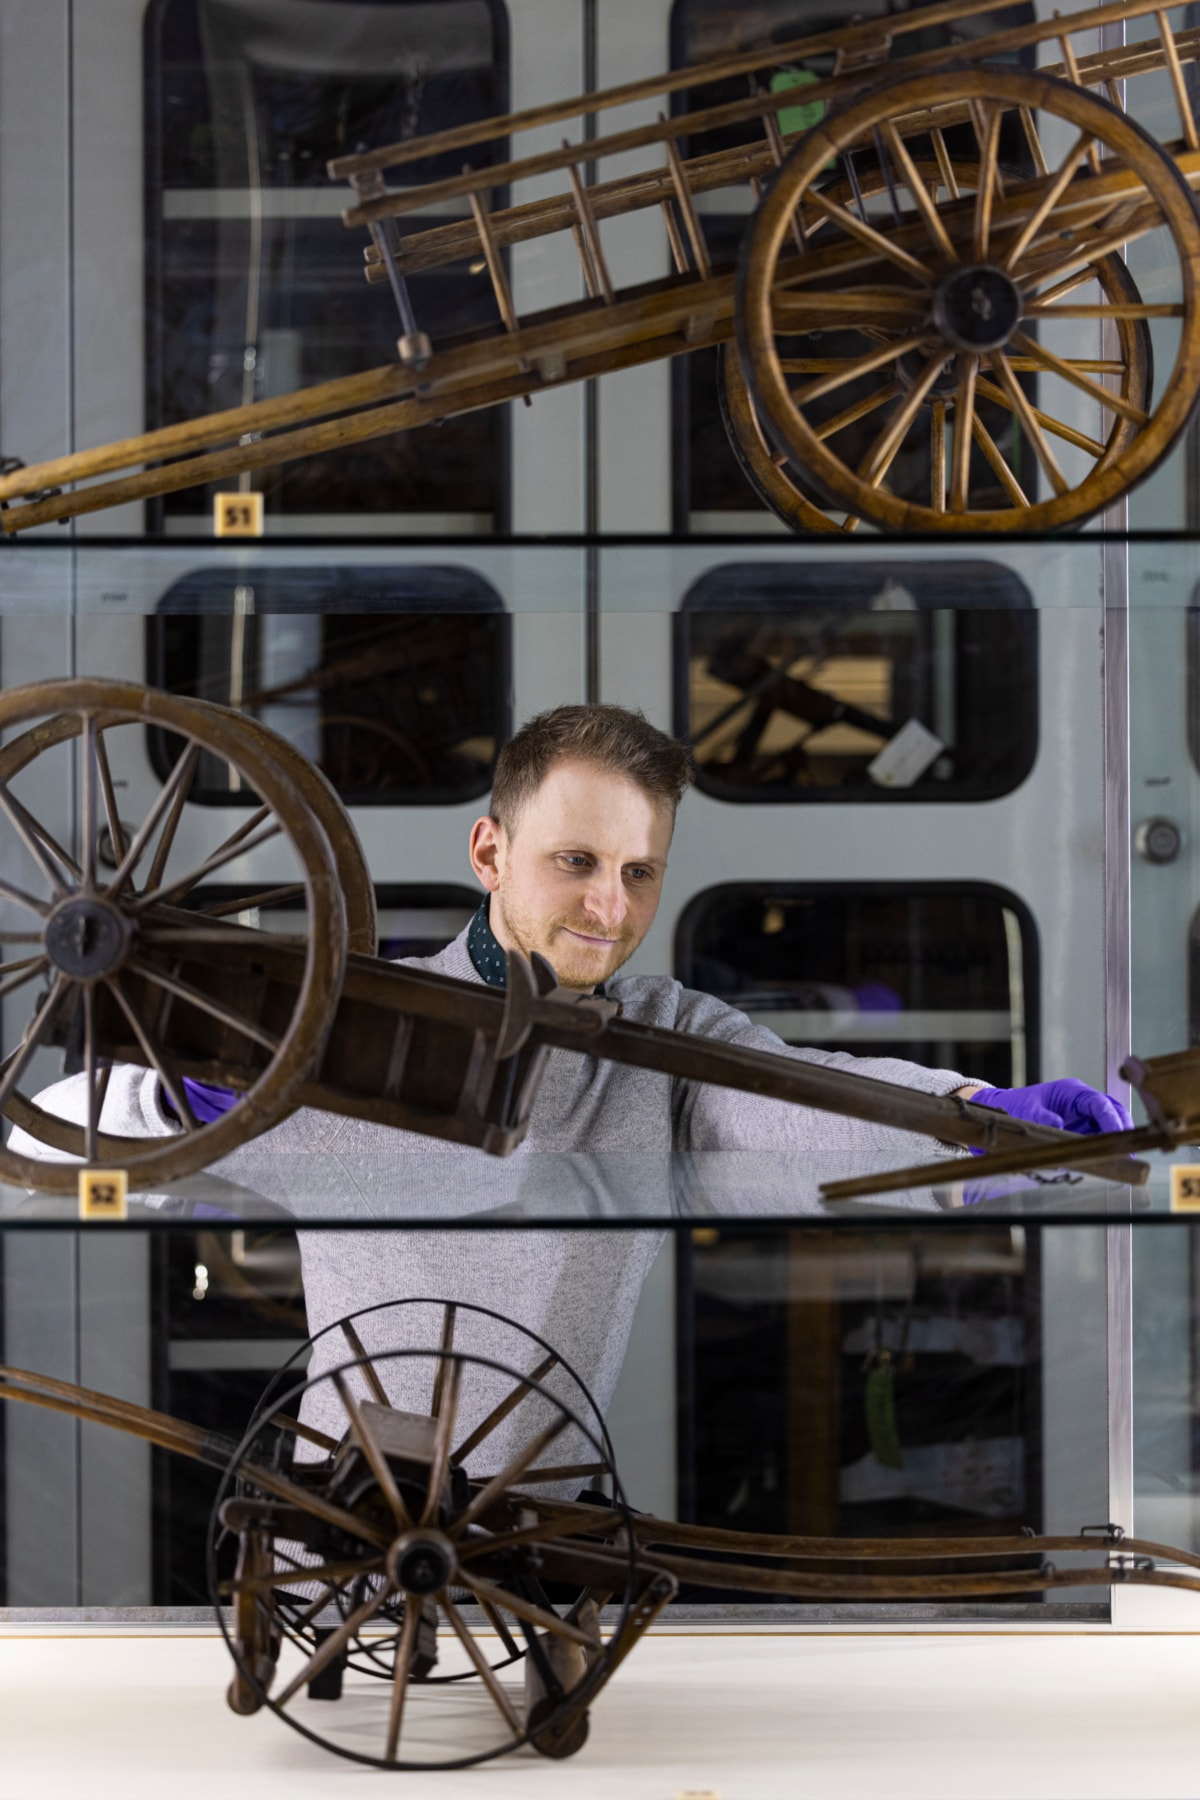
column 861, row 682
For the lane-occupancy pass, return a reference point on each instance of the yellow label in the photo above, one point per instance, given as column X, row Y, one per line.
column 1185, row 1187
column 103, row 1194
column 237, row 515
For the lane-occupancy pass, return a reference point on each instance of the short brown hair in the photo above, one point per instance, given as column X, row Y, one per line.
column 610, row 737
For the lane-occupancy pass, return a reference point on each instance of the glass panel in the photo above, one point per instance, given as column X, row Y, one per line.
column 882, row 1384
column 394, row 681
column 937, row 974
column 254, row 286
column 791, row 680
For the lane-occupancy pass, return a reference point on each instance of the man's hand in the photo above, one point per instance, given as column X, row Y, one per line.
column 1069, row 1105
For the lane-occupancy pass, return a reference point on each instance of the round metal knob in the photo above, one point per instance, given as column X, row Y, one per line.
column 1158, row 840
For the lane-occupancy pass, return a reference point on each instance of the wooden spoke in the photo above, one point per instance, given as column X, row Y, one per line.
column 35, row 1031
column 19, row 897
column 525, row 1609
column 335, row 1643
column 989, row 150
column 109, row 794
column 176, row 1092
column 566, row 1472
column 996, row 462
column 1059, row 365
column 333, row 1575
column 860, row 365
column 1033, row 140
column 569, row 1524
column 1024, row 411
column 166, row 837
column 860, row 410
column 91, row 1130
column 945, row 164
column 496, row 1621
column 309, row 1433
column 361, row 1432
column 795, row 312
column 447, row 1344
column 443, row 1437
column 179, row 778
column 1056, row 427
column 15, row 975
column 400, row 1674
column 964, row 414
column 183, row 990
column 501, row 1412
column 253, row 902
column 508, row 1476
column 934, row 222
column 1049, row 200
column 886, row 446
column 1067, row 285
column 88, row 810
column 1127, row 309
column 937, row 457
column 37, row 840
column 867, row 234
column 235, row 846
column 482, row 1667
column 1089, row 252
column 369, row 1372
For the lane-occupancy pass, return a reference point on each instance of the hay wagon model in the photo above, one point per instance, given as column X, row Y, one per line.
column 932, row 229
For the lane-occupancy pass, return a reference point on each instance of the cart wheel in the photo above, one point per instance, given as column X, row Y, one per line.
column 954, row 301
column 120, row 968
column 398, row 1520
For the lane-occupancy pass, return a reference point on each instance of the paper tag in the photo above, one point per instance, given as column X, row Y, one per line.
column 103, row 1194
column 1185, row 1187
column 907, row 756
column 238, row 515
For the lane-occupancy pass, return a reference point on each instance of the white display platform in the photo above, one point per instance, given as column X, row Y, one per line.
column 1097, row 1715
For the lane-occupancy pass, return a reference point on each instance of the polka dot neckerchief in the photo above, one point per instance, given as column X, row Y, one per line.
column 484, row 951
column 487, row 957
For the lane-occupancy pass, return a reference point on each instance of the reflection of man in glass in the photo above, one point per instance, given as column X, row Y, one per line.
column 572, row 857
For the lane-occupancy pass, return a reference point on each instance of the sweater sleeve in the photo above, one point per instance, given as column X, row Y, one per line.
column 714, row 1118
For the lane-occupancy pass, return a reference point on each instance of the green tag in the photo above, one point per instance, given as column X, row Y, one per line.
column 881, row 1416
column 805, row 116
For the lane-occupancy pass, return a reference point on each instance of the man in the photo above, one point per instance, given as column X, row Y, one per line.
column 572, row 858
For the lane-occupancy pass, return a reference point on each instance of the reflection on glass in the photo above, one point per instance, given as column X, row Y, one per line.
column 254, row 286
column 395, row 682
column 938, row 973
column 854, row 1384
column 852, row 682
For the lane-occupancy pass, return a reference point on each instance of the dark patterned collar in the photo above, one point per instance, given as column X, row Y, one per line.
column 486, row 955
column 483, row 947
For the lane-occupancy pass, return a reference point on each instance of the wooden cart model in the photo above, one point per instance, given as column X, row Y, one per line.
column 112, row 965
column 931, row 227
column 345, row 1551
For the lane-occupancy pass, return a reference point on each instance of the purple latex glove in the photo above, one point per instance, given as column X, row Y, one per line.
column 207, row 1103
column 1069, row 1105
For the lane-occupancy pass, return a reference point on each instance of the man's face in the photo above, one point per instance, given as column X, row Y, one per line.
column 580, row 877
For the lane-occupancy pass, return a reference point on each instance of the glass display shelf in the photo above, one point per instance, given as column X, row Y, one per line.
column 260, row 1185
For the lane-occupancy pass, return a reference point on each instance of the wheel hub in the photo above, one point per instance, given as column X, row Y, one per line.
column 87, row 938
column 977, row 308
column 421, row 1562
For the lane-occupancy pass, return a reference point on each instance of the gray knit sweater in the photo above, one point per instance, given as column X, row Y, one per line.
column 604, row 1141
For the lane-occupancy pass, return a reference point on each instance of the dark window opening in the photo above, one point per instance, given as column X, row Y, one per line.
column 254, row 285
column 939, row 973
column 846, row 1384
column 870, row 682
column 395, row 682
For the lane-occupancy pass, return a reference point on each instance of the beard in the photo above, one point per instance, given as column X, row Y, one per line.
column 575, row 964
